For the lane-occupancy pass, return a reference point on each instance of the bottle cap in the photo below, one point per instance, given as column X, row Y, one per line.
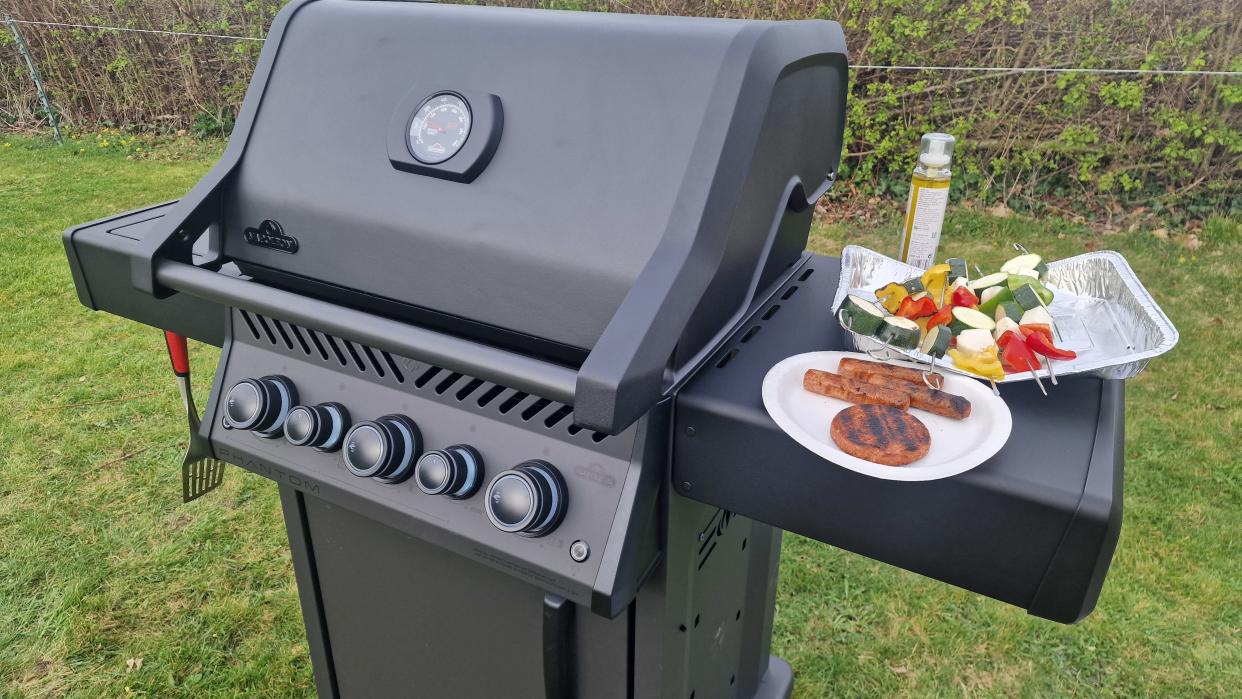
column 936, row 150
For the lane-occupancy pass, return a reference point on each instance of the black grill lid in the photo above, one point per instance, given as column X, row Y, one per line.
column 649, row 174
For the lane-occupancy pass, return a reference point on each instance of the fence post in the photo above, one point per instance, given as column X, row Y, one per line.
column 34, row 75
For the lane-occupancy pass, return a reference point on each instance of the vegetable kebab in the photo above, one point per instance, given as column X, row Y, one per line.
column 993, row 325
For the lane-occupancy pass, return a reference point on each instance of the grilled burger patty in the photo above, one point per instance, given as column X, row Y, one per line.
column 880, row 434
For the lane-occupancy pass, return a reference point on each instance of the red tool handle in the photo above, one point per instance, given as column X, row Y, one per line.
column 178, row 353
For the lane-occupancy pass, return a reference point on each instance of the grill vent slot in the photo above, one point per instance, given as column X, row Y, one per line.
column 730, row 352
column 447, row 383
column 266, row 330
column 490, row 395
column 471, row 386
column 534, row 409
column 280, row 328
column 379, row 368
column 426, row 376
column 301, row 340
column 374, row 362
column 340, row 356
column 512, row 401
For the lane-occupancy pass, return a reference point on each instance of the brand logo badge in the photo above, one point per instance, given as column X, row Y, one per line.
column 595, row 472
column 270, row 235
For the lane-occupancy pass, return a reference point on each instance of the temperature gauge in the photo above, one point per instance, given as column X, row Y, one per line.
column 439, row 128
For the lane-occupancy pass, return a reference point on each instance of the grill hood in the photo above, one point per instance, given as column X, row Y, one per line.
column 628, row 186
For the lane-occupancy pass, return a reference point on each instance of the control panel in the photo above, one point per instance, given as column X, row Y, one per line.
column 486, row 471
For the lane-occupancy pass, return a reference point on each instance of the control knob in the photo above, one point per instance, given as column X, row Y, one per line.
column 385, row 448
column 319, row 426
column 455, row 472
column 530, row 499
column 260, row 405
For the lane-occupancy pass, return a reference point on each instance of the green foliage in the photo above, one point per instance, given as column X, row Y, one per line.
column 1071, row 142
column 216, row 123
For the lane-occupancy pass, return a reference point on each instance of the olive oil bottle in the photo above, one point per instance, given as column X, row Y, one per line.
column 929, row 197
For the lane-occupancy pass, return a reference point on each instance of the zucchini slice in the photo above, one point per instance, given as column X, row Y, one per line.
column 936, row 343
column 913, row 285
column 990, row 280
column 969, row 319
column 957, row 267
column 1008, row 309
column 861, row 315
column 1021, row 262
column 992, row 297
column 899, row 332
column 1027, row 297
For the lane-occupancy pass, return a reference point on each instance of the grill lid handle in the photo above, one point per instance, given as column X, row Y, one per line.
column 519, row 371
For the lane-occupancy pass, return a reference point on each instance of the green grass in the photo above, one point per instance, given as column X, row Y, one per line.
column 100, row 563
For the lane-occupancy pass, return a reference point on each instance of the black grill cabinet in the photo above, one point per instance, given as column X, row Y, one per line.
column 536, row 264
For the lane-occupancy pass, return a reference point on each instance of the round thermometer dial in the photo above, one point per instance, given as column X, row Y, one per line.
column 439, row 128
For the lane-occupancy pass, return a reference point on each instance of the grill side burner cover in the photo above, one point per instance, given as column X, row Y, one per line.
column 618, row 132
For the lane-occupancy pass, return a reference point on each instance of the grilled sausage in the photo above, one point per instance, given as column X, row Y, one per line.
column 826, row 383
column 880, row 434
column 860, row 369
column 924, row 398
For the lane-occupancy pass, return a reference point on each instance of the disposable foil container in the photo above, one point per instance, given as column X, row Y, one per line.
column 1100, row 309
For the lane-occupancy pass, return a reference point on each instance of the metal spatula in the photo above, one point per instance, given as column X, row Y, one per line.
column 201, row 472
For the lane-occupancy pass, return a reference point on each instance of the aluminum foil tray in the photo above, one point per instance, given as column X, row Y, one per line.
column 1100, row 308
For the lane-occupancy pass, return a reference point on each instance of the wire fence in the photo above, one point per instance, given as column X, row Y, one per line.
column 1142, row 106
column 960, row 69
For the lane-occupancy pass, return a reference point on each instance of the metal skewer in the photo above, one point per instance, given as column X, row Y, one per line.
column 1052, row 376
column 1037, row 381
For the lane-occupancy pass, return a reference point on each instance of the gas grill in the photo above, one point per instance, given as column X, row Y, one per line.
column 496, row 290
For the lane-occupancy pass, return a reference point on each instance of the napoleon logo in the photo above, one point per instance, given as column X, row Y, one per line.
column 270, row 235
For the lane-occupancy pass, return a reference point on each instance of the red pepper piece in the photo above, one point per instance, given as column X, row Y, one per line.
column 1017, row 355
column 1040, row 344
column 912, row 309
column 1005, row 338
column 1045, row 330
column 942, row 317
column 964, row 297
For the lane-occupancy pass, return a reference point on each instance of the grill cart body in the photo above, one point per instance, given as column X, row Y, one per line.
column 559, row 251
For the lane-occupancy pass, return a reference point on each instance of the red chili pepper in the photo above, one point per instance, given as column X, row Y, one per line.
column 912, row 309
column 1017, row 355
column 964, row 297
column 1040, row 344
column 942, row 317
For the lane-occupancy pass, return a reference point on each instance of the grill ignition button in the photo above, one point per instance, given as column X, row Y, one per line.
column 260, row 405
column 529, row 499
column 385, row 448
column 455, row 471
column 320, row 426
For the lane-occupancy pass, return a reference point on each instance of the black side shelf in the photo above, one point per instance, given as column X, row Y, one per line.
column 1035, row 526
column 100, row 256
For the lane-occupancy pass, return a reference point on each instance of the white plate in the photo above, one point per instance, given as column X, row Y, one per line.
column 956, row 445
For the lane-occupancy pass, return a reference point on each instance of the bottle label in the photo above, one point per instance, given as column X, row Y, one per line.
column 924, row 219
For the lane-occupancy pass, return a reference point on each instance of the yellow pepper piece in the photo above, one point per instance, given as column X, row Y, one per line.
column 891, row 296
column 934, row 281
column 985, row 364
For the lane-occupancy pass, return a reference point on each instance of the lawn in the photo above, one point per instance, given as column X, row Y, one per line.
column 110, row 587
